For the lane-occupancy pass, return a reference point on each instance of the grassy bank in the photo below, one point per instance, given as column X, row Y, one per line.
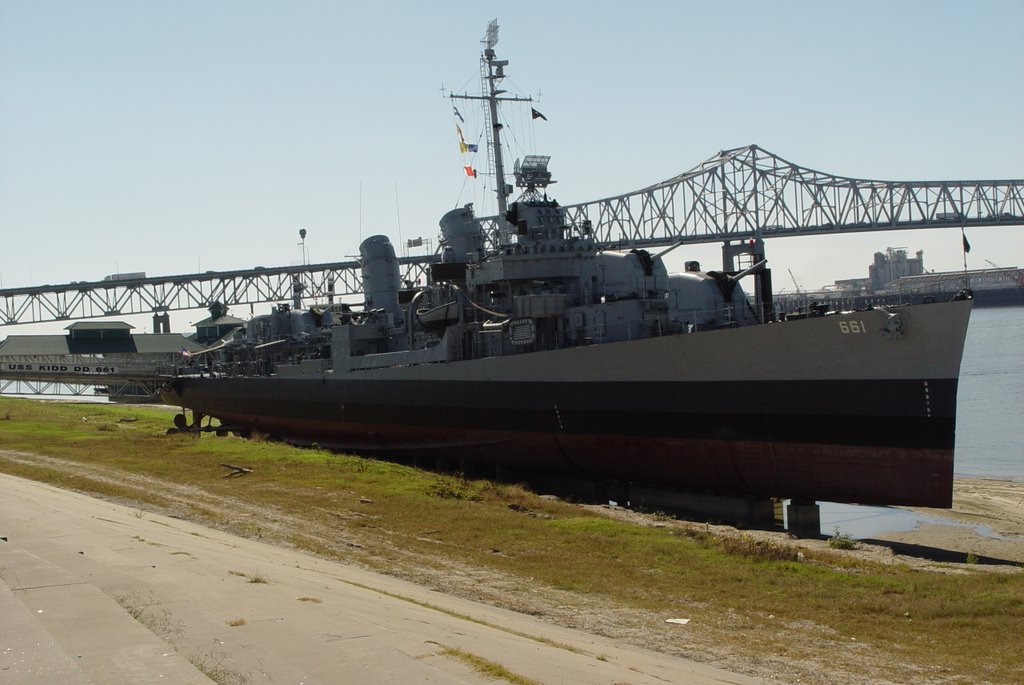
column 764, row 602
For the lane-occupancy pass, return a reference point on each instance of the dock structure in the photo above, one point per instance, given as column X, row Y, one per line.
column 102, row 357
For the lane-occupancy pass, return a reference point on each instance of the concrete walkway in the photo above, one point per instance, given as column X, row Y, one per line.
column 92, row 592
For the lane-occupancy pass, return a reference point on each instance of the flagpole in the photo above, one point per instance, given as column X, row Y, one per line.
column 965, row 247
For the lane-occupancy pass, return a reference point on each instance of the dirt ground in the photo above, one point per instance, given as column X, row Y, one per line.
column 941, row 545
column 986, row 522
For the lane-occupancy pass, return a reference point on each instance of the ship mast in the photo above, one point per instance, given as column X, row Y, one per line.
column 492, row 72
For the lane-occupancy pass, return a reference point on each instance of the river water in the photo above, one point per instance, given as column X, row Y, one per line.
column 990, row 400
column 989, row 422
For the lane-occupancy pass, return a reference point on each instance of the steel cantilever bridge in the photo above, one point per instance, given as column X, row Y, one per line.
column 737, row 195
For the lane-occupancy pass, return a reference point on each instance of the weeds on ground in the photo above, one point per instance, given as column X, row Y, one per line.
column 213, row 664
column 743, row 545
column 487, row 668
column 150, row 614
column 250, row 577
column 841, row 540
column 448, row 487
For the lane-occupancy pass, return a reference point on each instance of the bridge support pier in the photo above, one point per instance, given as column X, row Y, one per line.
column 753, row 249
column 730, row 251
column 161, row 322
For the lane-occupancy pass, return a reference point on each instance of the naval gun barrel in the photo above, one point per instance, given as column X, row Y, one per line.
column 671, row 247
column 749, row 270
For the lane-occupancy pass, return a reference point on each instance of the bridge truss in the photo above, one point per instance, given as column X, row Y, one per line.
column 739, row 194
column 113, row 388
column 54, row 388
column 748, row 192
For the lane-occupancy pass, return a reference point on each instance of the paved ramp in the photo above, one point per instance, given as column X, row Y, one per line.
column 92, row 592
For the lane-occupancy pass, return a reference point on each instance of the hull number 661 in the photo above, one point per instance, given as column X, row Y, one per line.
column 852, row 327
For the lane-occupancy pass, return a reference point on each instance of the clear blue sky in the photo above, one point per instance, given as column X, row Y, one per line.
column 181, row 136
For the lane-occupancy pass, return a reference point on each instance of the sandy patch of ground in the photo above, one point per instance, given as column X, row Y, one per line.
column 986, row 521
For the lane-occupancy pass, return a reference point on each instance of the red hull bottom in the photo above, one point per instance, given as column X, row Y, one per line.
column 909, row 476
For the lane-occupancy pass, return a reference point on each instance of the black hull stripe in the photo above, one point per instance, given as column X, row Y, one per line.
column 879, row 442
column 914, row 413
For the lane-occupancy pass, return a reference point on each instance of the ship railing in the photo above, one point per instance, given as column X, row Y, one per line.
column 695, row 321
column 597, row 333
column 252, row 367
column 123, row 360
column 691, row 321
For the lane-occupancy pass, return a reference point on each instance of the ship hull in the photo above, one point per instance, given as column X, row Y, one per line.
column 837, row 409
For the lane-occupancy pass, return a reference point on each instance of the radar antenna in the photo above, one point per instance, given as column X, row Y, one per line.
column 491, row 37
column 532, row 172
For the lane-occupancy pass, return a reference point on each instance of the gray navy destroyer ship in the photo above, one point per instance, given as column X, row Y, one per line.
column 541, row 351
